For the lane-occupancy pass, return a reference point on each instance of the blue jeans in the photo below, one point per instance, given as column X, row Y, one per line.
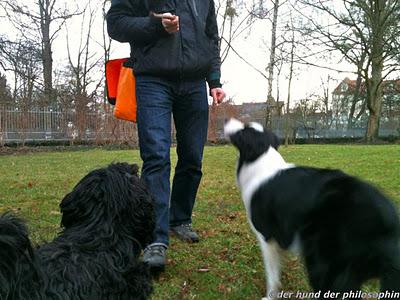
column 157, row 100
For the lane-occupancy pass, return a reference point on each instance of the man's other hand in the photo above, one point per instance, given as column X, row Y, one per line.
column 218, row 95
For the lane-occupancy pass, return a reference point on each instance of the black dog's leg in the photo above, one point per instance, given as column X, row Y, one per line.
column 139, row 281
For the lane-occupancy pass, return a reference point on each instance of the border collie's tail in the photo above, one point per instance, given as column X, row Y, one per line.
column 15, row 252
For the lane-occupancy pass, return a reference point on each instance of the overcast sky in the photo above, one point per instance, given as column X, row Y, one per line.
column 244, row 84
column 241, row 82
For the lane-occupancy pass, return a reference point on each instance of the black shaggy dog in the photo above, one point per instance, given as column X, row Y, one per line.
column 345, row 229
column 107, row 219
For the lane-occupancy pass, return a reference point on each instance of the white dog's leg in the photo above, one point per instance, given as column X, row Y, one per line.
column 271, row 257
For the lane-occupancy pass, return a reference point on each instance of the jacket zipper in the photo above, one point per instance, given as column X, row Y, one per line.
column 196, row 13
column 180, row 60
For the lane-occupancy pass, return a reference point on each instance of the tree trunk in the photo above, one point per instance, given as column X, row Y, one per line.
column 48, row 72
column 47, row 56
column 357, row 92
column 374, row 100
column 106, row 46
column 271, row 65
column 289, row 89
column 374, row 84
column 356, row 98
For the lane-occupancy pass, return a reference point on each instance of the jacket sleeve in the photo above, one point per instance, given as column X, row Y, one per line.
column 214, row 75
column 127, row 22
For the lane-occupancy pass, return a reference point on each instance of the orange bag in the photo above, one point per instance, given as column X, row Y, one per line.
column 121, row 88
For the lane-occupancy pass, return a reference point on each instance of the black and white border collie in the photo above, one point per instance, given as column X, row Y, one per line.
column 346, row 231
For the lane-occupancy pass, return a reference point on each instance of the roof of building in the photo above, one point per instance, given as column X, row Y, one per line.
column 348, row 86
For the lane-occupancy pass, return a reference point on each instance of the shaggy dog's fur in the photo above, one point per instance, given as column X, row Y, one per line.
column 345, row 229
column 107, row 219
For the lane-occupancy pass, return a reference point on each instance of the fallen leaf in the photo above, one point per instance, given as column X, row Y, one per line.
column 203, row 270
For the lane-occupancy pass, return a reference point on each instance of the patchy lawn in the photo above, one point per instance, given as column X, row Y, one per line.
column 226, row 264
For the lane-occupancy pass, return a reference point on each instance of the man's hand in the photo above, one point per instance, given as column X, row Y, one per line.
column 218, row 95
column 170, row 22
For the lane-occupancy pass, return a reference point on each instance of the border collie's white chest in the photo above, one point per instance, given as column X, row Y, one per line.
column 252, row 175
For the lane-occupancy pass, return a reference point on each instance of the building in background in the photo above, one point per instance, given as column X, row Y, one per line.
column 350, row 107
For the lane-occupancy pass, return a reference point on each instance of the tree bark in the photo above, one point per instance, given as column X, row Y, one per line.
column 289, row 90
column 374, row 100
column 357, row 92
column 271, row 64
column 374, row 84
column 45, row 10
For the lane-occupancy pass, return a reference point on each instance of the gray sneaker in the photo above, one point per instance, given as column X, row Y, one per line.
column 185, row 233
column 155, row 255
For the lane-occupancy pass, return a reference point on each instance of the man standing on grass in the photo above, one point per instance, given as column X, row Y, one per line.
column 174, row 50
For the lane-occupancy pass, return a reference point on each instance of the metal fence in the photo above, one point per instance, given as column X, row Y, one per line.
column 100, row 126
column 314, row 128
column 46, row 124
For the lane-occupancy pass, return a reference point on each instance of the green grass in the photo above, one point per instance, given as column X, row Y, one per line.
column 226, row 264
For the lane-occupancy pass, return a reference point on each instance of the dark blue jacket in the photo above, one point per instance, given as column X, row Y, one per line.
column 191, row 53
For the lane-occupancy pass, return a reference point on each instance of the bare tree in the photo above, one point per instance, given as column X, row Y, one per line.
column 365, row 34
column 325, row 101
column 304, row 111
column 271, row 64
column 22, row 59
column 291, row 69
column 235, row 20
column 262, row 12
column 356, row 97
column 106, row 41
column 40, row 24
column 84, row 85
column 218, row 115
column 5, row 93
